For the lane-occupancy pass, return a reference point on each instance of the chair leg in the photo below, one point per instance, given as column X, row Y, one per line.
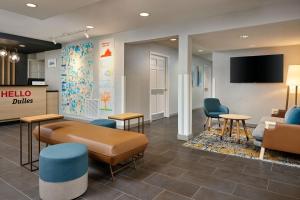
column 262, row 153
column 205, row 122
column 219, row 123
column 209, row 123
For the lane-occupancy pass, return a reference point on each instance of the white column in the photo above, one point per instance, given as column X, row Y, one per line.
column 184, row 88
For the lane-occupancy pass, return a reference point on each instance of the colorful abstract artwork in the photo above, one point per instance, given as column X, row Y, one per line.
column 77, row 77
column 106, row 76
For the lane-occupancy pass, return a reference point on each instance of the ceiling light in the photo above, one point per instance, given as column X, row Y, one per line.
column 173, row 39
column 89, row 27
column 200, row 50
column 86, row 35
column 244, row 36
column 144, row 14
column 22, row 45
column 31, row 5
column 3, row 53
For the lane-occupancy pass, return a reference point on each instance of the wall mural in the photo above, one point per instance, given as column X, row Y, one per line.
column 77, row 77
column 106, row 77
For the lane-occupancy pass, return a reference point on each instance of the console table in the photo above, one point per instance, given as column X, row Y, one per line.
column 129, row 116
column 30, row 121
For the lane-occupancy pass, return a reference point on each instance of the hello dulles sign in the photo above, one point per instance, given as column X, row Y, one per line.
column 21, row 101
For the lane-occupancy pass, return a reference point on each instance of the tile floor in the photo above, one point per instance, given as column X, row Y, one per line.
column 168, row 171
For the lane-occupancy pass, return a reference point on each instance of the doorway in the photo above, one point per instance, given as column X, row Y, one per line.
column 158, row 86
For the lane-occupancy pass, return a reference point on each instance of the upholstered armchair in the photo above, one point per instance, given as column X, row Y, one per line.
column 212, row 109
column 281, row 134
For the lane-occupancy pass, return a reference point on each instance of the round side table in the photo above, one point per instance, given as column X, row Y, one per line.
column 238, row 119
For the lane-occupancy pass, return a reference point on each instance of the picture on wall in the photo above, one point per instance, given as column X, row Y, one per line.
column 197, row 73
column 77, row 77
column 52, row 63
column 106, row 77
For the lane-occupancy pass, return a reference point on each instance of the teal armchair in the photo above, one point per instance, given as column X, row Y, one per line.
column 212, row 109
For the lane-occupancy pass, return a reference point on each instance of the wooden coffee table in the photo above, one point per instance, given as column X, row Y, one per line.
column 238, row 119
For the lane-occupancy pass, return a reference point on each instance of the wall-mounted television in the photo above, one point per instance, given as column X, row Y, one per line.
column 257, row 69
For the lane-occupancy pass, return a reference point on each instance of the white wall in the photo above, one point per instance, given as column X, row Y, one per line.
column 254, row 99
column 257, row 16
column 137, row 69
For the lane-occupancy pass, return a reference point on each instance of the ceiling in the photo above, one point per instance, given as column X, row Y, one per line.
column 13, row 42
column 269, row 35
column 45, row 9
column 52, row 17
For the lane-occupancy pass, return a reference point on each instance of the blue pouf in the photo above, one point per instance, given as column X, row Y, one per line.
column 104, row 122
column 63, row 171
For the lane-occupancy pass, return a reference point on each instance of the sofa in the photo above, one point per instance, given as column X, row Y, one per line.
column 111, row 146
column 281, row 134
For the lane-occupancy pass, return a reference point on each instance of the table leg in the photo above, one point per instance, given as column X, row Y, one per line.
column 238, row 130
column 21, row 160
column 31, row 169
column 39, row 137
column 230, row 129
column 124, row 125
column 138, row 124
column 224, row 128
column 28, row 148
column 143, row 124
column 129, row 125
column 245, row 129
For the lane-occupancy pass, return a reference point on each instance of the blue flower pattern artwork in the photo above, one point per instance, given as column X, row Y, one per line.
column 77, row 82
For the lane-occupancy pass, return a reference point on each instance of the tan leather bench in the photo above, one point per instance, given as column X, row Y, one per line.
column 111, row 146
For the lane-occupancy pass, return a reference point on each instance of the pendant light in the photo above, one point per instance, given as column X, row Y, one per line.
column 3, row 53
column 14, row 57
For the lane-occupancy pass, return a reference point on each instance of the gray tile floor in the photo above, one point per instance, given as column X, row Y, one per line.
column 168, row 171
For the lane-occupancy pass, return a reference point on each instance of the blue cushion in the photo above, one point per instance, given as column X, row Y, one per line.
column 104, row 122
column 292, row 116
column 63, row 162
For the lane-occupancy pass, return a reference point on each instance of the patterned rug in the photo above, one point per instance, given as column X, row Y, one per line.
column 210, row 141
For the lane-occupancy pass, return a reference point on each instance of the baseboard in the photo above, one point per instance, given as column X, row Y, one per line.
column 184, row 137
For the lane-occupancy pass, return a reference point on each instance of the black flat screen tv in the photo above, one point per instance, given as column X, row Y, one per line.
column 257, row 69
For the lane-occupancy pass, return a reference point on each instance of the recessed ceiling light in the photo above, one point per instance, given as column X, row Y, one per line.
column 31, row 5
column 244, row 36
column 22, row 45
column 90, row 27
column 144, row 14
column 173, row 39
column 200, row 50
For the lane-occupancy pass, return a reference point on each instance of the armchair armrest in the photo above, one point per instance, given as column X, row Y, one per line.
column 270, row 124
column 224, row 109
column 284, row 137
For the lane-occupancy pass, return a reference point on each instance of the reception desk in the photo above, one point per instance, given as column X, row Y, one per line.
column 23, row 101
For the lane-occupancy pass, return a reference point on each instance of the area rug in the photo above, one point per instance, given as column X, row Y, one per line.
column 210, row 141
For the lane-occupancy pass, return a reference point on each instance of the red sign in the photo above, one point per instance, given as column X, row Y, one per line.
column 15, row 93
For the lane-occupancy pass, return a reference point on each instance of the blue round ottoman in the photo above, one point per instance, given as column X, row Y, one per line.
column 63, row 171
column 104, row 122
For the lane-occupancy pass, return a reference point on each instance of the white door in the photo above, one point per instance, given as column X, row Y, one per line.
column 158, row 88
